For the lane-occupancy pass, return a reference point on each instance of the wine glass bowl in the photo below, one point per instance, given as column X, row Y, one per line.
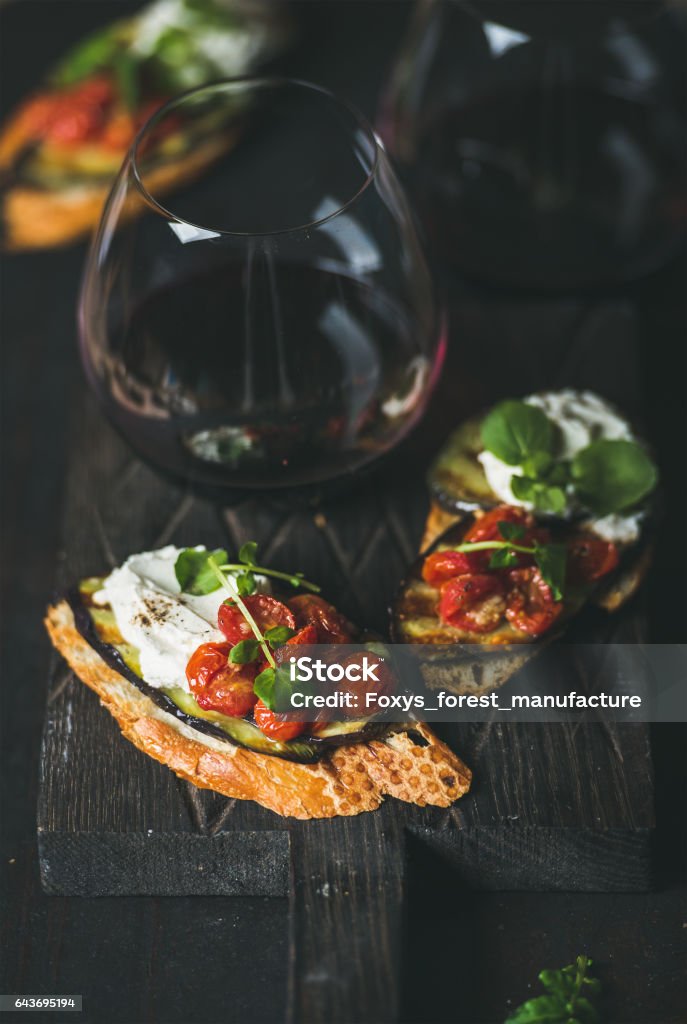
column 274, row 325
column 545, row 143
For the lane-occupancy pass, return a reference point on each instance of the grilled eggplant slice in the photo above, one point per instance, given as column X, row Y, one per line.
column 456, row 479
column 97, row 625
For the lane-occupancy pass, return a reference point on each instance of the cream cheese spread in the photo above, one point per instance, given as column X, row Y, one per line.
column 154, row 616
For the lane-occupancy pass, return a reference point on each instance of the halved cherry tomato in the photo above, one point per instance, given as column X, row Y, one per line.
column 266, row 611
column 332, row 627
column 590, row 558
column 307, row 635
column 384, row 683
column 473, row 602
column 444, row 565
column 218, row 685
column 276, row 726
column 530, row 604
column 486, row 527
column 79, row 115
column 99, row 89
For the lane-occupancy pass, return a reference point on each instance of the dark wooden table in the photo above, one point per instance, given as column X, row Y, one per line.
column 225, row 959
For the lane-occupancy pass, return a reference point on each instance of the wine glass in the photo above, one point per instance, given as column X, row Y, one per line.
column 545, row 142
column 273, row 324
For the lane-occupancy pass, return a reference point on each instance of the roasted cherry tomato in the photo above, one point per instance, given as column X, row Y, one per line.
column 266, row 611
column 307, row 635
column 68, row 117
column 486, row 527
column 530, row 604
column 218, row 685
column 332, row 627
column 473, row 602
column 444, row 565
column 590, row 558
column 99, row 90
column 276, row 726
column 359, row 688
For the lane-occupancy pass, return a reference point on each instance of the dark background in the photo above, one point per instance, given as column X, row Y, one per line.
column 470, row 956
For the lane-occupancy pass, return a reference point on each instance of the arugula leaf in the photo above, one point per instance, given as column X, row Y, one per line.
column 552, row 559
column 193, row 572
column 515, row 432
column 278, row 635
column 244, row 652
column 248, row 553
column 610, row 476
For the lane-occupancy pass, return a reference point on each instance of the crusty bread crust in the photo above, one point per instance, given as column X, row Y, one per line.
column 36, row 218
column 438, row 521
column 352, row 779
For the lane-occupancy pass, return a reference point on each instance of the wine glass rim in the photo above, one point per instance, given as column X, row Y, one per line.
column 256, row 80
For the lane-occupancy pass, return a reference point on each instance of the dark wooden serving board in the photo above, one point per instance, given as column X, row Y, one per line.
column 552, row 806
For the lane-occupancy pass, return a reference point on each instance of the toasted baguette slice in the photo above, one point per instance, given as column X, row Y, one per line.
column 350, row 780
column 34, row 218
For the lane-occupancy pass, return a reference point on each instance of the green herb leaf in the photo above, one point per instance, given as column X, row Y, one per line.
column 278, row 635
column 564, row 1002
column 611, row 476
column 503, row 559
column 515, row 431
column 96, row 51
column 540, row 1010
column 551, row 559
column 248, row 553
column 537, row 465
column 193, row 572
column 559, row 473
column 245, row 583
column 523, row 487
column 126, row 72
column 274, row 688
column 550, row 499
column 263, row 687
column 510, row 531
column 544, row 497
column 244, row 652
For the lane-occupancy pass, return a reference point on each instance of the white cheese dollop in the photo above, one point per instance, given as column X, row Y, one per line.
column 165, row 625
column 582, row 417
column 227, row 50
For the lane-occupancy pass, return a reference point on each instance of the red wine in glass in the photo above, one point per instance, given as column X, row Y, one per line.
column 275, row 325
